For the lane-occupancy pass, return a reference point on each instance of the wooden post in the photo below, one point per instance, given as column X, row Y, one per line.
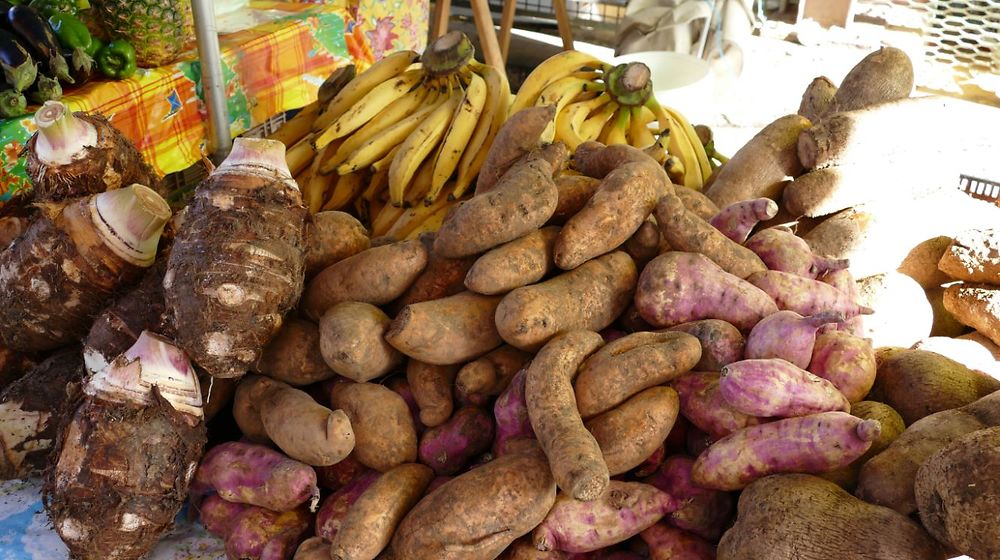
column 562, row 20
column 506, row 25
column 439, row 19
column 487, row 34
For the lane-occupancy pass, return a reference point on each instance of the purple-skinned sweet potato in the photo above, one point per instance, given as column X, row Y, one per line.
column 218, row 516
column 401, row 387
column 510, row 411
column 707, row 512
column 337, row 476
column 703, row 405
column 721, row 343
column 262, row 534
column 670, row 543
column 843, row 280
column 652, row 463
column 621, row 512
column 784, row 251
column 845, row 360
column 524, row 549
column 737, row 220
column 331, row 513
column 805, row 296
column 807, row 444
column 775, row 388
column 678, row 287
column 256, row 475
column 631, row 431
column 449, row 447
column 628, row 365
column 787, row 335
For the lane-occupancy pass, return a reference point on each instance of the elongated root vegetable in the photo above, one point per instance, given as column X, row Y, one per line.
column 119, row 510
column 787, row 335
column 759, row 168
column 377, row 276
column 332, row 237
column 332, row 512
column 623, row 511
column 884, row 75
column 737, row 220
column 370, row 523
column 678, row 287
column 976, row 305
column 776, row 388
column 697, row 202
column 645, row 244
column 352, row 343
column 706, row 513
column 510, row 411
column 250, row 393
column 973, row 256
column 844, row 281
column 523, row 261
column 304, row 429
column 516, row 138
column 892, row 428
column 685, row 231
column 58, row 275
column 446, row 331
column 784, row 251
column 845, row 360
column 491, row 374
column 631, row 432
column 294, row 355
column 574, row 455
column 431, row 386
column 808, row 444
column 384, row 433
column 31, row 410
column 670, row 543
column 245, row 230
column 255, row 475
column 703, row 405
column 78, row 154
column 590, row 296
column 450, row 446
column 313, row 548
column 721, row 343
column 574, row 192
column 807, row 518
column 630, row 364
column 259, row 533
column 816, row 98
column 805, row 296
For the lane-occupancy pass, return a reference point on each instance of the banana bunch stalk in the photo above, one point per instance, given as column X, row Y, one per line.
column 614, row 105
column 400, row 143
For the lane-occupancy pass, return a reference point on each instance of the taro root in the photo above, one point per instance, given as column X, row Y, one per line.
column 237, row 264
column 77, row 154
column 57, row 276
column 125, row 461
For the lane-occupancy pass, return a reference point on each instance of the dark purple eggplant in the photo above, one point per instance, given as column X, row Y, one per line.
column 39, row 38
column 18, row 67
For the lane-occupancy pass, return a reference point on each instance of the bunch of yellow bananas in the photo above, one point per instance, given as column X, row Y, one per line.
column 614, row 105
column 403, row 140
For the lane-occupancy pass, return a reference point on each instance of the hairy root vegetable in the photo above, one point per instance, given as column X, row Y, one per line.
column 79, row 154
column 491, row 374
column 846, row 361
column 624, row 510
column 520, row 262
column 255, row 475
column 626, row 366
column 775, row 388
column 706, row 513
column 431, row 387
column 125, row 460
column 703, row 405
column 678, row 287
column 788, row 336
column 384, row 433
column 352, row 341
column 884, row 75
column 807, row 518
column 976, row 305
column 805, row 296
column 294, row 355
column 633, row 430
column 332, row 237
column 518, row 136
column 478, row 514
column 786, row 252
column 57, row 276
column 574, row 455
column 737, row 220
column 451, row 446
column 32, row 409
column 816, row 98
column 721, row 343
column 446, row 331
column 510, row 411
column 237, row 266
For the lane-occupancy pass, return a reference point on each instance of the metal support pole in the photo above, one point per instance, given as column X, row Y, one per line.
column 212, row 84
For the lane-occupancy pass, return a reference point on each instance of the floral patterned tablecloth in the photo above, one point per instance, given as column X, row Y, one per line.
column 275, row 55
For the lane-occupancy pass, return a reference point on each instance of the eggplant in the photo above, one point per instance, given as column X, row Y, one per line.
column 40, row 39
column 12, row 104
column 81, row 70
column 18, row 67
column 45, row 89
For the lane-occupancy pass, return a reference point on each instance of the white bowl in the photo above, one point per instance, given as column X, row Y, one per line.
column 680, row 81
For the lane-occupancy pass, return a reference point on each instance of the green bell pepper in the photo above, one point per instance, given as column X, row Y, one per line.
column 95, row 45
column 117, row 60
column 73, row 34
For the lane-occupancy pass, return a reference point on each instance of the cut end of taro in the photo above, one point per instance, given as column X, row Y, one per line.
column 151, row 362
column 62, row 136
column 131, row 221
column 869, row 430
column 260, row 154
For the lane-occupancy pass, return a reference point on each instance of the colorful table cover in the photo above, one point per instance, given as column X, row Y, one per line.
column 275, row 55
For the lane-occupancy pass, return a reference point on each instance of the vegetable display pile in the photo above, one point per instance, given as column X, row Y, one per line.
column 590, row 355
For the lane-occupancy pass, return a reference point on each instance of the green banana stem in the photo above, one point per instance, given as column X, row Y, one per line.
column 630, row 84
column 448, row 54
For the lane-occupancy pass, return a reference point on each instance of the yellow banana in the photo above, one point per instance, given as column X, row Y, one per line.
column 618, row 127
column 420, row 185
column 693, row 139
column 370, row 105
column 414, row 216
column 381, row 223
column 561, row 93
column 463, row 125
column 639, row 134
column 493, row 117
column 430, row 223
column 675, row 169
column 593, row 125
column 384, row 163
column 551, row 69
column 417, row 146
column 345, row 190
column 570, row 120
column 385, row 69
column 313, row 195
column 380, row 144
column 378, row 184
column 679, row 145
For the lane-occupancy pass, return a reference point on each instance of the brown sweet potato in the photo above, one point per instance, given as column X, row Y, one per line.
column 294, row 355
column 352, row 341
column 522, row 202
column 807, row 518
column 384, row 434
column 645, row 244
column 250, row 393
column 976, row 305
column 574, row 455
column 313, row 548
column 331, row 237
column 491, row 374
column 369, row 524
column 598, row 161
column 446, row 331
column 476, row 515
column 670, row 543
column 685, row 231
column 591, row 296
column 520, row 262
column 524, row 549
column 630, row 432
column 441, row 278
column 892, row 427
column 377, row 275
column 431, row 386
column 517, row 137
column 697, row 202
column 816, row 98
column 884, row 75
column 679, row 287
column 626, row 366
column 721, row 343
column 945, row 323
column 972, row 350
column 973, row 256
column 304, row 429
column 759, row 168
column 574, row 192
column 921, row 263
